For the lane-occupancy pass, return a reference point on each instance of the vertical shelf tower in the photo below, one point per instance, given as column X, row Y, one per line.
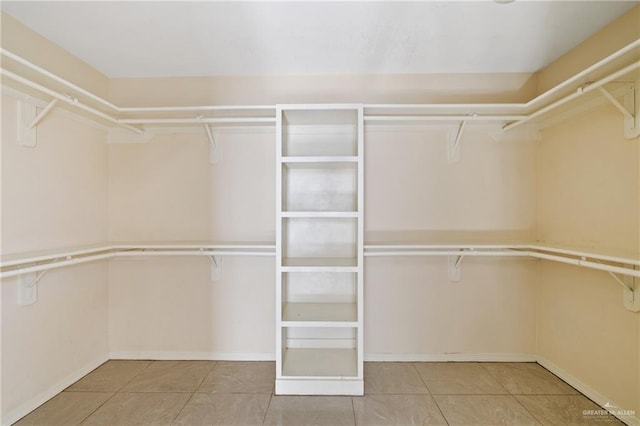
column 319, row 250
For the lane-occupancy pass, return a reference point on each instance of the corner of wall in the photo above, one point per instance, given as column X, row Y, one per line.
column 614, row 36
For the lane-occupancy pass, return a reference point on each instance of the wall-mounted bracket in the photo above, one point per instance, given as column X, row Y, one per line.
column 214, row 154
column 43, row 113
column 28, row 288
column 216, row 268
column 630, row 109
column 455, row 266
column 453, row 145
column 26, row 116
column 630, row 292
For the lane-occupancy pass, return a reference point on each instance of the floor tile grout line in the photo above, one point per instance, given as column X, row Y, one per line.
column 97, row 408
column 509, row 366
column 424, row 382
column 112, row 394
column 430, row 394
column 183, row 407
column 528, row 411
column 440, row 410
column 353, row 411
column 494, row 377
column 264, row 416
column 136, row 375
column 204, row 377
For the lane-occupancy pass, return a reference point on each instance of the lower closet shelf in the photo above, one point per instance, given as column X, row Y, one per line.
column 325, row 363
column 314, row 371
column 330, row 314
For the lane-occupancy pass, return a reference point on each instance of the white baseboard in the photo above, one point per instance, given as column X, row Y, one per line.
column 194, row 356
column 459, row 357
column 42, row 397
column 269, row 356
column 590, row 393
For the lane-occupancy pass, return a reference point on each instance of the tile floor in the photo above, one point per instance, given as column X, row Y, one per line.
column 241, row 393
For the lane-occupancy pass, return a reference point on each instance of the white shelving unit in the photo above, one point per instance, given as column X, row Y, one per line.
column 319, row 250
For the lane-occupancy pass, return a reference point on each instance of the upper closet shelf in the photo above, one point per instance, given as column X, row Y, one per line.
column 608, row 80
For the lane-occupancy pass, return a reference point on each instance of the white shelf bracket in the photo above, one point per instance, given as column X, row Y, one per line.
column 455, row 266
column 43, row 113
column 216, row 268
column 27, row 115
column 214, row 154
column 630, row 110
column 453, row 146
column 28, row 288
column 630, row 292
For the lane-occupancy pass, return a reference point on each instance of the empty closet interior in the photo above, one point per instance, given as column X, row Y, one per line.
column 321, row 221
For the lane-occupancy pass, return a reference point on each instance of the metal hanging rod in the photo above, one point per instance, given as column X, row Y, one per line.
column 458, row 117
column 199, row 120
column 75, row 88
column 581, row 91
column 516, row 119
column 67, row 99
column 39, row 263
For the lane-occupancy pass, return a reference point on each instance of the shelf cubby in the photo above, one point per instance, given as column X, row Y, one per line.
column 320, row 187
column 320, row 132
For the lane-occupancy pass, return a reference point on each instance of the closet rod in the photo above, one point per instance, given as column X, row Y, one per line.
column 581, row 91
column 67, row 99
column 57, row 78
column 57, row 260
column 478, row 106
column 459, row 117
column 552, row 91
column 213, row 120
column 585, row 73
column 84, row 92
column 54, row 260
column 199, row 108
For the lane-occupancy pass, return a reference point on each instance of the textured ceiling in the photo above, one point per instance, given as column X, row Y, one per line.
column 160, row 39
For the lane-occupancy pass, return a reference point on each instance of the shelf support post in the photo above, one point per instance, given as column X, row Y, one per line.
column 27, row 114
column 455, row 266
column 28, row 288
column 453, row 148
column 216, row 268
column 630, row 292
column 214, row 155
column 630, row 110
column 43, row 113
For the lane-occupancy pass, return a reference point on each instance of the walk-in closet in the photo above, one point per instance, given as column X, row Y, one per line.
column 322, row 213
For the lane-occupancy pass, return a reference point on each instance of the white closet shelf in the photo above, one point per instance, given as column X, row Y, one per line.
column 17, row 264
column 319, row 159
column 574, row 257
column 319, row 264
column 334, row 363
column 320, row 315
column 621, row 65
column 320, row 214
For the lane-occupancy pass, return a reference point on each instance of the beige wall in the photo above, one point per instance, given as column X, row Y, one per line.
column 53, row 196
column 589, row 198
column 166, row 189
column 418, row 88
column 412, row 193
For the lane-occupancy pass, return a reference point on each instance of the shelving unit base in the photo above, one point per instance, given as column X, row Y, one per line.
column 315, row 386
